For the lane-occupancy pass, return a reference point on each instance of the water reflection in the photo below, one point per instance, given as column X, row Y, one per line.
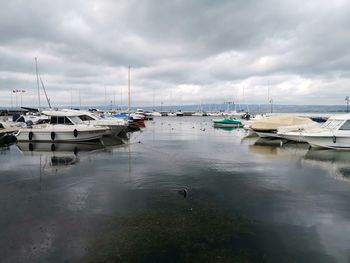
column 48, row 147
column 227, row 128
column 57, row 155
column 276, row 150
column 335, row 162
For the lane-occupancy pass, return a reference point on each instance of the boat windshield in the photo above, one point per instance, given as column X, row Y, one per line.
column 345, row 126
column 332, row 124
column 76, row 120
column 86, row 118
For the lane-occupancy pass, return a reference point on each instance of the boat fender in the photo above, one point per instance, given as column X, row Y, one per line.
column 53, row 135
column 30, row 135
column 75, row 133
column 334, row 139
column 53, row 147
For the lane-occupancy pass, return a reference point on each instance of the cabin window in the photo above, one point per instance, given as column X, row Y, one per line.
column 345, row 126
column 332, row 124
column 60, row 120
column 53, row 120
column 67, row 121
column 86, row 118
column 75, row 120
column 2, row 126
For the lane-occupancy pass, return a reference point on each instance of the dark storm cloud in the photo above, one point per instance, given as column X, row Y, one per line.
column 191, row 49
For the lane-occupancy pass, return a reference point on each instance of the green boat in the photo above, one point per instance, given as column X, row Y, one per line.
column 219, row 123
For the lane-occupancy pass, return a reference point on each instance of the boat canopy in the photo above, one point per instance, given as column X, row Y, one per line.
column 274, row 122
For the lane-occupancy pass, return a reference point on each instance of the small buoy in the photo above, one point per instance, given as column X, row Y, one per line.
column 139, row 141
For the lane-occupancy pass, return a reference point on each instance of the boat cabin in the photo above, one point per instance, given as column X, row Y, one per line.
column 63, row 118
column 340, row 122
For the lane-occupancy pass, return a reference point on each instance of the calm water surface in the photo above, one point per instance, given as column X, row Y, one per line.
column 245, row 201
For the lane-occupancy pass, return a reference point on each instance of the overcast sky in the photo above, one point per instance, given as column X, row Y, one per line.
column 183, row 51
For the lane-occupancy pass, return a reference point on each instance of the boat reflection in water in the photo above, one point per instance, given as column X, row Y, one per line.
column 227, row 128
column 66, row 154
column 276, row 150
column 59, row 154
column 335, row 162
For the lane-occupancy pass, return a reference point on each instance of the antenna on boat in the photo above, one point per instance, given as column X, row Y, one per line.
column 37, row 80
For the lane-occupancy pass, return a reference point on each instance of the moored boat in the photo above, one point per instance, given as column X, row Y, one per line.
column 63, row 127
column 227, row 122
column 116, row 125
column 334, row 133
column 294, row 132
column 267, row 127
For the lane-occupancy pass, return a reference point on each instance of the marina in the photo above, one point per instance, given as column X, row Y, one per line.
column 185, row 186
column 174, row 131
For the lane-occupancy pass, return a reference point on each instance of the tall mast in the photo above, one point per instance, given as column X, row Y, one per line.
column 129, row 93
column 37, row 80
column 153, row 99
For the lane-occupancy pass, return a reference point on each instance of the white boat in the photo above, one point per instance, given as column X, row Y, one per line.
column 235, row 114
column 334, row 133
column 137, row 117
column 179, row 113
column 156, row 114
column 63, row 127
column 199, row 113
column 267, row 127
column 116, row 125
column 215, row 114
column 294, row 132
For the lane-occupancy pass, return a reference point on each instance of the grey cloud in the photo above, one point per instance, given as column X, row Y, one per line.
column 212, row 48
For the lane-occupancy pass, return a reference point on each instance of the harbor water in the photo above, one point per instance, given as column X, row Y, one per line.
column 177, row 191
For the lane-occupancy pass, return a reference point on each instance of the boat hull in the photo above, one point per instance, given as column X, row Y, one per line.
column 222, row 123
column 292, row 136
column 227, row 125
column 331, row 142
column 38, row 135
column 267, row 134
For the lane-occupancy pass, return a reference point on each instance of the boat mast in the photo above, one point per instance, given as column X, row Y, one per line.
column 47, row 98
column 37, row 80
column 129, row 101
